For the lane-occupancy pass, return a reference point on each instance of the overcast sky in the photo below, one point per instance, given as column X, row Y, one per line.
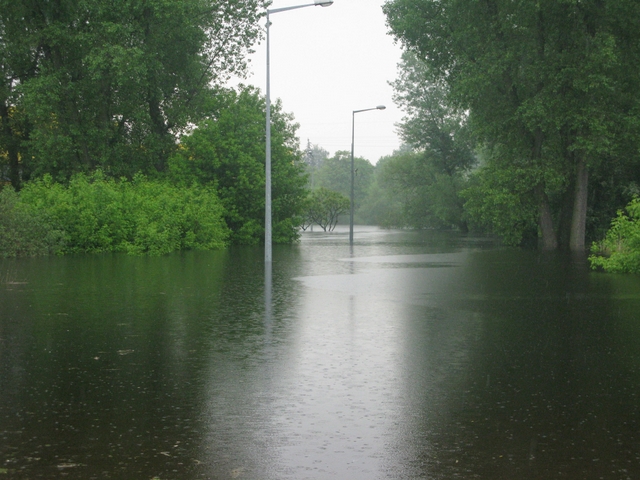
column 327, row 62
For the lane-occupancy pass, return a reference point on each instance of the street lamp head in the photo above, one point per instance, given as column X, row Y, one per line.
column 380, row 107
column 324, row 3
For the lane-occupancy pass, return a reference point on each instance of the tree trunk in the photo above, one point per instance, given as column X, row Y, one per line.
column 14, row 166
column 564, row 217
column 11, row 145
column 545, row 221
column 579, row 217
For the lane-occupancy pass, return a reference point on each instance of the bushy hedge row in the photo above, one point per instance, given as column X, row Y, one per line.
column 619, row 252
column 99, row 214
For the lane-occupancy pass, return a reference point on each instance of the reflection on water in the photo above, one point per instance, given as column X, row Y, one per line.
column 408, row 355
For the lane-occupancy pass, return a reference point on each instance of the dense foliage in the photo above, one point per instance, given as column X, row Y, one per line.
column 550, row 89
column 497, row 199
column 142, row 216
column 620, row 250
column 96, row 83
column 427, row 176
column 382, row 206
column 429, row 197
column 227, row 152
column 133, row 91
column 24, row 230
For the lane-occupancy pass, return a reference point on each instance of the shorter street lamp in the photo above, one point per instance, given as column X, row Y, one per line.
column 353, row 135
column 267, row 163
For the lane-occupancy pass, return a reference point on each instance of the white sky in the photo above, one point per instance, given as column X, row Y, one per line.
column 327, row 62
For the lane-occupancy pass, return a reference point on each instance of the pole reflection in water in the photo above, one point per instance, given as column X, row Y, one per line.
column 268, row 300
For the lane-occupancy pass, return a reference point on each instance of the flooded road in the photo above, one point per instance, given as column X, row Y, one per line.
column 412, row 355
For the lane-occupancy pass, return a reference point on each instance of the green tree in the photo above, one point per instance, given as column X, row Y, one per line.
column 498, row 200
column 427, row 178
column 314, row 157
column 548, row 86
column 325, row 206
column 17, row 65
column 111, row 85
column 227, row 151
column 428, row 197
column 432, row 124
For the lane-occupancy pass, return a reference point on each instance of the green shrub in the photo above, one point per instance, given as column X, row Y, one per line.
column 24, row 231
column 142, row 216
column 619, row 252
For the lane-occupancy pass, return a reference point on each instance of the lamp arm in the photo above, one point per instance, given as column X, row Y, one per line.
column 364, row 110
column 284, row 9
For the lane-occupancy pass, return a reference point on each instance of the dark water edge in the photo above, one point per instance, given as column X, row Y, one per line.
column 410, row 355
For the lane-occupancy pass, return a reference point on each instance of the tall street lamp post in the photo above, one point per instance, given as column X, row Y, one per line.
column 353, row 135
column 267, row 164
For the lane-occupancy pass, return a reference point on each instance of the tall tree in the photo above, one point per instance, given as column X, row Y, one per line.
column 18, row 64
column 112, row 84
column 430, row 198
column 428, row 180
column 431, row 124
column 314, row 157
column 383, row 206
column 227, row 150
column 543, row 84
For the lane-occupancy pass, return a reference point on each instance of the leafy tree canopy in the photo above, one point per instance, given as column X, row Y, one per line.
column 428, row 198
column 227, row 150
column 432, row 124
column 93, row 83
column 548, row 85
column 324, row 206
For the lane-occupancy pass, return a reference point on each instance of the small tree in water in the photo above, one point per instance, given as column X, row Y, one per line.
column 324, row 208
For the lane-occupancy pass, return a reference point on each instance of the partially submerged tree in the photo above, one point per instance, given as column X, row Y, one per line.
column 548, row 86
column 325, row 206
column 429, row 197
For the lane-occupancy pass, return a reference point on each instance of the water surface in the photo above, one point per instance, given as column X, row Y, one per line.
column 412, row 355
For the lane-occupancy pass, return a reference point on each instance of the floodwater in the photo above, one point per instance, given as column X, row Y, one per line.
column 412, row 355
